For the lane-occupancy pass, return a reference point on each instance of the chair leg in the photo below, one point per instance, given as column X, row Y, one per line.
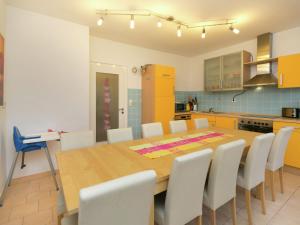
column 8, row 181
column 233, row 209
column 59, row 218
column 262, row 197
column 213, row 217
column 152, row 219
column 248, row 204
column 199, row 220
column 272, row 173
column 23, row 160
column 281, row 179
column 51, row 167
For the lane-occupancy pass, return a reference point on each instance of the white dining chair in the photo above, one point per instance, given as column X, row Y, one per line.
column 69, row 141
column 276, row 157
column 221, row 187
column 183, row 200
column 126, row 200
column 177, row 126
column 79, row 139
column 252, row 173
column 119, row 135
column 201, row 123
column 152, row 130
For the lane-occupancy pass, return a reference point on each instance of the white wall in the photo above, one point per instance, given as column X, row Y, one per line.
column 106, row 51
column 47, row 79
column 284, row 43
column 2, row 111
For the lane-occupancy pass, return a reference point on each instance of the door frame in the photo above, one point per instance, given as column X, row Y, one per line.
column 122, row 72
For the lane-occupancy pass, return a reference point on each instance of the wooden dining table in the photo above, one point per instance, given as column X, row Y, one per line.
column 81, row 168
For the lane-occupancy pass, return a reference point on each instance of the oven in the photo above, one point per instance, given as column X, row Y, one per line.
column 256, row 125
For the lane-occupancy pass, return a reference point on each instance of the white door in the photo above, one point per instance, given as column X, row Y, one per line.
column 108, row 98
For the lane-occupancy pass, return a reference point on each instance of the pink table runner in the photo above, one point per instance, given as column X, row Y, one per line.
column 158, row 150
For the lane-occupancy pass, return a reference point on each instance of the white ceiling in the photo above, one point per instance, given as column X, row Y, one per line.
column 255, row 17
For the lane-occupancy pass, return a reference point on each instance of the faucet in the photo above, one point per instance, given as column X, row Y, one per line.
column 211, row 109
column 240, row 93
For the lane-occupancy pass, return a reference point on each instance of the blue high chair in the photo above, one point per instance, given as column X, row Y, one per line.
column 20, row 146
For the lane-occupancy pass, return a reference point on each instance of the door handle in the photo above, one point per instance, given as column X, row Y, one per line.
column 281, row 79
column 122, row 110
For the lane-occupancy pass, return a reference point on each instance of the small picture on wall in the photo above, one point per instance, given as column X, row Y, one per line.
column 1, row 69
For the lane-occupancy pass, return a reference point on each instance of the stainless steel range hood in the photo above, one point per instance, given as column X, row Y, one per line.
column 264, row 75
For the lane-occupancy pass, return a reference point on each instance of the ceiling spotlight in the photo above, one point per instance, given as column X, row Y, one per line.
column 100, row 21
column 203, row 33
column 179, row 32
column 159, row 24
column 234, row 30
column 132, row 22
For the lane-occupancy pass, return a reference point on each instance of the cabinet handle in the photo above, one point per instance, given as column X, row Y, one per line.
column 281, row 79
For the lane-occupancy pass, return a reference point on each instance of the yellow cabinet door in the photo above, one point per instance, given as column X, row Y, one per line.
column 164, row 81
column 190, row 124
column 292, row 155
column 289, row 71
column 164, row 111
column 226, row 122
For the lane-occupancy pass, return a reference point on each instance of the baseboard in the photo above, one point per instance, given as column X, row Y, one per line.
column 292, row 170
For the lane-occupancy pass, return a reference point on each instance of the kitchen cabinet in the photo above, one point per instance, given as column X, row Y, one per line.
column 226, row 72
column 211, row 120
column 212, row 73
column 158, row 95
column 292, row 156
column 289, row 71
column 226, row 122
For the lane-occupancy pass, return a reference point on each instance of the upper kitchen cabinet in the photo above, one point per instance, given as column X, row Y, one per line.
column 226, row 72
column 164, row 81
column 212, row 74
column 289, row 71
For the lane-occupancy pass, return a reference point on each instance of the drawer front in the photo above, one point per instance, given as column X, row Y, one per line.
column 226, row 122
column 208, row 117
column 279, row 125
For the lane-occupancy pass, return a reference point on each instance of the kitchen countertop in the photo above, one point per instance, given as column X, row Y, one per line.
column 248, row 115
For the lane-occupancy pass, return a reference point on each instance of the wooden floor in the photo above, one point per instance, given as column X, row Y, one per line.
column 32, row 201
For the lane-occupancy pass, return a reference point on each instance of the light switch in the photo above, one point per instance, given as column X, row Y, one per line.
column 130, row 102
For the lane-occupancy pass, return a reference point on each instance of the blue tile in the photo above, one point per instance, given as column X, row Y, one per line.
column 268, row 100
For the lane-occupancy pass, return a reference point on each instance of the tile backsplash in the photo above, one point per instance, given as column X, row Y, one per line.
column 266, row 100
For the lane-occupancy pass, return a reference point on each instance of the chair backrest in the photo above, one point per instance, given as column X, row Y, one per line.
column 278, row 149
column 201, row 123
column 223, row 173
column 186, row 186
column 177, row 126
column 126, row 200
column 78, row 139
column 119, row 135
column 18, row 139
column 255, row 166
column 152, row 129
